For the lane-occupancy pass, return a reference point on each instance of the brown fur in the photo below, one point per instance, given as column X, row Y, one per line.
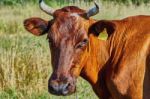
column 118, row 68
column 125, row 67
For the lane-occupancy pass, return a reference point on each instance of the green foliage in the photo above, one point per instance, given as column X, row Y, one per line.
column 21, row 2
column 16, row 2
column 61, row 2
column 135, row 2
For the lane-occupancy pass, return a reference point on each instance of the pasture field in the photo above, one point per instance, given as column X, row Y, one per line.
column 25, row 65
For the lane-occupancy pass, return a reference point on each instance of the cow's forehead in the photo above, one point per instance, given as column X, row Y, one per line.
column 70, row 26
column 67, row 16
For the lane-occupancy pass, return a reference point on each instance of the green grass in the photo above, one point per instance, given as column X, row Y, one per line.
column 25, row 65
column 25, row 69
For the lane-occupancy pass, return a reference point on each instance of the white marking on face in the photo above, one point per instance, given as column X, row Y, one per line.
column 75, row 15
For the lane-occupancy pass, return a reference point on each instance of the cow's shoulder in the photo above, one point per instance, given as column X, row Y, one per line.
column 129, row 49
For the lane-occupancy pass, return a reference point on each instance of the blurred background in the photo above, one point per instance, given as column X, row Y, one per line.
column 25, row 65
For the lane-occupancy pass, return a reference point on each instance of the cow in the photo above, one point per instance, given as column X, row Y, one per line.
column 116, row 68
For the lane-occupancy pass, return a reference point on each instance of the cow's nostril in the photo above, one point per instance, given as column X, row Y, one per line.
column 65, row 86
column 65, row 89
column 54, row 89
column 51, row 89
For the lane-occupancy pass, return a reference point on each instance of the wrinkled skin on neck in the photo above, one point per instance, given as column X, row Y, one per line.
column 95, row 64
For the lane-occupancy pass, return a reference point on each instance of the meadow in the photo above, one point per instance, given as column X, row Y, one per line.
column 25, row 65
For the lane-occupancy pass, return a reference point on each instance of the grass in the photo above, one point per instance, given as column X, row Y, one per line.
column 25, row 69
column 25, row 59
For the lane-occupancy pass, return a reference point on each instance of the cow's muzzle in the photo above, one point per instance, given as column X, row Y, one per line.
column 60, row 88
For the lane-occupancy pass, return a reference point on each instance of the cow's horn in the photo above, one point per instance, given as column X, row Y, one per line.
column 93, row 11
column 46, row 8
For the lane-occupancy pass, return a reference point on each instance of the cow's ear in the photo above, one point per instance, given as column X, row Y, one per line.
column 36, row 26
column 100, row 26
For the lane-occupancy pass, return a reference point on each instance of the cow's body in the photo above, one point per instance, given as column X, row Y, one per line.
column 119, row 68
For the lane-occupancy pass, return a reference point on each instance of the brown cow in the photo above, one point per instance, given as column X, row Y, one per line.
column 118, row 68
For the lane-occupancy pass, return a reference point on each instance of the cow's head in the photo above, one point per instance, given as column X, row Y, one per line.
column 68, row 40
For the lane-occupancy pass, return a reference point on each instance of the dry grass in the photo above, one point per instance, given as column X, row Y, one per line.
column 25, row 59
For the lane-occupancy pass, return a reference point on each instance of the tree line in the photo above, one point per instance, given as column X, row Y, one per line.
column 23, row 2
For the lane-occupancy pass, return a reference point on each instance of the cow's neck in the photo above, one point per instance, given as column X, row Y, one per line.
column 94, row 67
column 97, row 58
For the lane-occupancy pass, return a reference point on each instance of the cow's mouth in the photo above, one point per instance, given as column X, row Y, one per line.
column 61, row 89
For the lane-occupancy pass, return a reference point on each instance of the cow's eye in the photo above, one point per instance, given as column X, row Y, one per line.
column 82, row 43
